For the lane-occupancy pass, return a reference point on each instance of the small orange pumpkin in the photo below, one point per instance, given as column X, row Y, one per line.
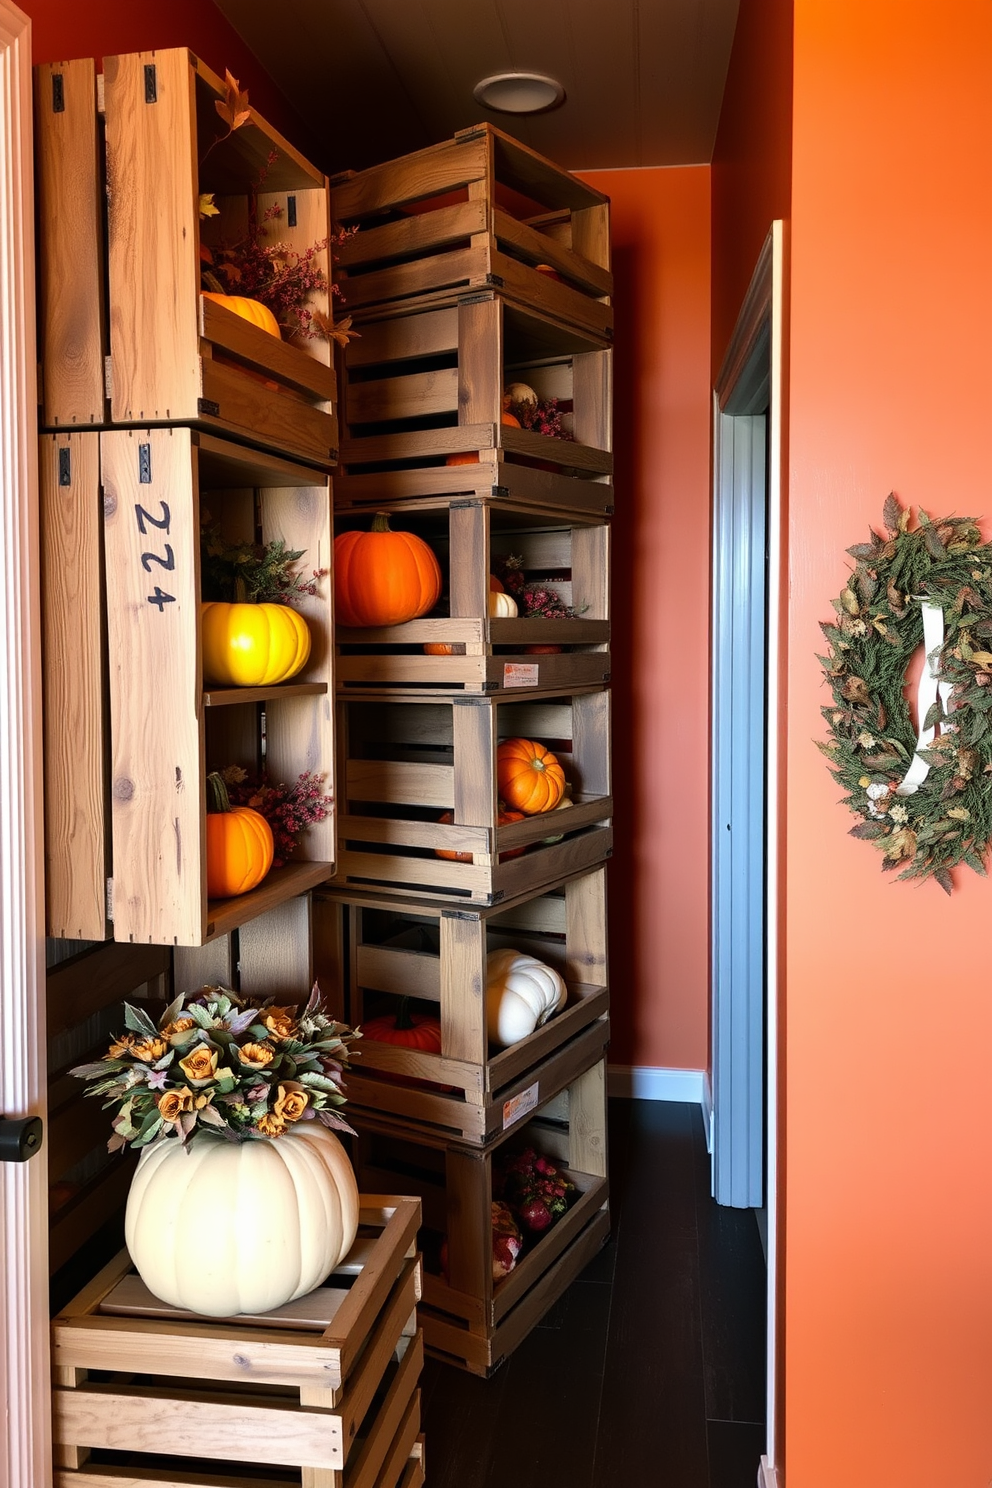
column 240, row 846
column 468, row 457
column 383, row 577
column 529, row 777
column 439, row 648
column 251, row 310
column 504, row 818
column 541, row 650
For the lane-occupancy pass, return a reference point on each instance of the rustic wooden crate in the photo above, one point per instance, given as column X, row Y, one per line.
column 326, row 1385
column 495, row 476
column 480, row 209
column 77, row 809
column 570, row 557
column 71, row 208
column 383, row 949
column 424, row 381
column 404, row 763
column 167, row 731
column 468, row 1319
column 173, row 356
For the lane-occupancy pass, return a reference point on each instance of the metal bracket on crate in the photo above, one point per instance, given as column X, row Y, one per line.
column 496, row 280
column 501, row 491
column 65, row 466
column 208, row 406
column 144, row 464
column 609, row 510
column 608, row 332
column 58, row 94
column 151, row 83
column 291, row 210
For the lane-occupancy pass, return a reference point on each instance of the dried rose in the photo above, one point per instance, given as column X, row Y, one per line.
column 200, row 1064
column 291, row 1101
column 174, row 1102
column 256, row 1056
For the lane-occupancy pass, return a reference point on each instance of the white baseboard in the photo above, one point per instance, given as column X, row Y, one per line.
column 648, row 1082
column 768, row 1476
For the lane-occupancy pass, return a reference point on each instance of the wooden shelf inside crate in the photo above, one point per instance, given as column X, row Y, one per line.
column 229, row 697
column 473, row 211
column 278, row 885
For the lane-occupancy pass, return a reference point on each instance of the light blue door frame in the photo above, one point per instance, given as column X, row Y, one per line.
column 739, row 809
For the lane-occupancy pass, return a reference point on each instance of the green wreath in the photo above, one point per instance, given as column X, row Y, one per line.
column 947, row 820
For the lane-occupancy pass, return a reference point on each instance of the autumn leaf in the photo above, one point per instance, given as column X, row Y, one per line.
column 944, row 879
column 855, row 690
column 849, row 600
column 233, row 107
column 891, row 513
column 208, row 207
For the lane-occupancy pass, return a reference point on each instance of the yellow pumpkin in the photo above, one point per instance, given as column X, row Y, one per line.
column 250, row 310
column 252, row 645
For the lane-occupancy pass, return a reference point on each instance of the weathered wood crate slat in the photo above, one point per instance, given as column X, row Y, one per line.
column 423, row 385
column 71, row 206
column 164, row 353
column 326, row 1385
column 403, row 764
column 468, row 1318
column 476, row 211
column 569, row 558
column 384, row 949
column 492, row 477
column 167, row 731
column 77, row 740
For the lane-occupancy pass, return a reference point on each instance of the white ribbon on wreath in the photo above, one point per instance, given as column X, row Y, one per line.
column 930, row 688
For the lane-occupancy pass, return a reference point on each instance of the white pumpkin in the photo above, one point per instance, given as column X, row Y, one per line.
column 226, row 1227
column 502, row 606
column 519, row 392
column 521, row 994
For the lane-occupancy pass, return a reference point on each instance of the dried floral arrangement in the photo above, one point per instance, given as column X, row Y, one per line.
column 251, row 573
column 259, row 264
column 215, row 1064
column 946, row 821
column 289, row 810
column 536, row 1191
column 539, row 415
column 536, row 601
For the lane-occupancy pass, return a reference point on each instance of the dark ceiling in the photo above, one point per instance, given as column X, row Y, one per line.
column 373, row 79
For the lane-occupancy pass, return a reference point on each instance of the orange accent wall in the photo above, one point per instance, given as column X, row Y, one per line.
column 659, row 885
column 888, row 1302
column 64, row 29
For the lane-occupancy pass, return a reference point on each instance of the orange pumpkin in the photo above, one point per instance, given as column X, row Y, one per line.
column 240, row 847
column 439, row 648
column 529, row 777
column 469, row 457
column 504, row 818
column 383, row 577
column 511, row 420
column 250, row 310
column 541, row 650
column 551, row 273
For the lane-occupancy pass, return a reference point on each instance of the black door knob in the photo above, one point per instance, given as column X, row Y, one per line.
column 21, row 1139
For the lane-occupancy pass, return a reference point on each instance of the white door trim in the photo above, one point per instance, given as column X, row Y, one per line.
column 764, row 314
column 25, row 1429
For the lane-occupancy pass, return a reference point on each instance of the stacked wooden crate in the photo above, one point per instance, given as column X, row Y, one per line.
column 326, row 1385
column 162, row 411
column 476, row 264
column 160, row 408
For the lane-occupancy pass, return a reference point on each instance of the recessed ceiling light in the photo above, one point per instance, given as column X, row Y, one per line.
column 519, row 92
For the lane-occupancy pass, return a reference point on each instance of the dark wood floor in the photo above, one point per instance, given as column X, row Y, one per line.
column 650, row 1370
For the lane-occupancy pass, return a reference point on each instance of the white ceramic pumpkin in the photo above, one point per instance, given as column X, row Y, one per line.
column 229, row 1227
column 502, row 606
column 521, row 994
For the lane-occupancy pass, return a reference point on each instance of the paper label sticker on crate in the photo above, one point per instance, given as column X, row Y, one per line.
column 521, row 674
column 520, row 1105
